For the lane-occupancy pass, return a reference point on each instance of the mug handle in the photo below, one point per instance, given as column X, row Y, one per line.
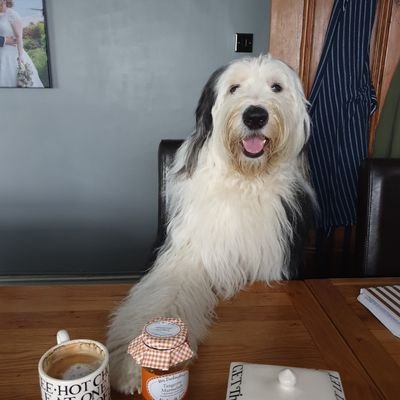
column 62, row 336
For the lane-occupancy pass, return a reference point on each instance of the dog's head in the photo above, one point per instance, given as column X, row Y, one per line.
column 254, row 115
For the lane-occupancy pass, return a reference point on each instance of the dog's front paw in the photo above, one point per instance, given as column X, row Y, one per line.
column 125, row 374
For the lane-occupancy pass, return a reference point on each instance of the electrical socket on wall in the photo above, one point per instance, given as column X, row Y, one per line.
column 243, row 42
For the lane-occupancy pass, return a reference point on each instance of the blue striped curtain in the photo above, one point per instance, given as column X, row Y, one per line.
column 342, row 100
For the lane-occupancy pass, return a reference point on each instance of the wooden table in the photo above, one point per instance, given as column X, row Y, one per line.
column 375, row 347
column 283, row 324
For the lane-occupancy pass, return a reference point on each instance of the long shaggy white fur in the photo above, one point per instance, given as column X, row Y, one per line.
column 232, row 214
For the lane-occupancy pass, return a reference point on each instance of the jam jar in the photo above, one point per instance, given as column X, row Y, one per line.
column 163, row 352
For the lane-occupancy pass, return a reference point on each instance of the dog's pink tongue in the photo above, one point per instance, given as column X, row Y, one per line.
column 254, row 144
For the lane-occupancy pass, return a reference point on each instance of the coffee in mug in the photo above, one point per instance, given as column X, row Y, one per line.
column 74, row 370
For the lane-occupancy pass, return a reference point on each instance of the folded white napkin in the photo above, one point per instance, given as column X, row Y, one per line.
column 273, row 382
column 384, row 303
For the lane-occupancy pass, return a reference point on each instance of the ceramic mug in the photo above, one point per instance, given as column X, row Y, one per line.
column 74, row 370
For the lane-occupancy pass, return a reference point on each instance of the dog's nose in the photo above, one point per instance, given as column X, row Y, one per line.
column 255, row 117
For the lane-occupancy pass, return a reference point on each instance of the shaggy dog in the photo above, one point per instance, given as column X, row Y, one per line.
column 239, row 188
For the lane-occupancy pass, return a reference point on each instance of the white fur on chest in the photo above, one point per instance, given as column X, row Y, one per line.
column 233, row 227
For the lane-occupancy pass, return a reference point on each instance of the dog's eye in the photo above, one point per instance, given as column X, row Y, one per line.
column 276, row 88
column 233, row 88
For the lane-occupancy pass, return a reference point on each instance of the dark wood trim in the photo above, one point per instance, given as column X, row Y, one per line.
column 379, row 51
column 306, row 48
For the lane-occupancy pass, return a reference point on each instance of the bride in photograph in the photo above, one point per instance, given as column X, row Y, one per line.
column 16, row 67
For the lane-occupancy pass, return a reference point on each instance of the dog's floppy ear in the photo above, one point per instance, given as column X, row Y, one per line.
column 204, row 122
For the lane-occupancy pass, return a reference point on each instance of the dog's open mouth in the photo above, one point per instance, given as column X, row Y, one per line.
column 254, row 146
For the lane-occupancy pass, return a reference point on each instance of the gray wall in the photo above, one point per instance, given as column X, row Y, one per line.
column 78, row 163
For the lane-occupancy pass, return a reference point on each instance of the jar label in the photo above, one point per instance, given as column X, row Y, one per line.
column 168, row 387
column 163, row 329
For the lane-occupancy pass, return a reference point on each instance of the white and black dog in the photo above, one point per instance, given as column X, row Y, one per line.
column 238, row 192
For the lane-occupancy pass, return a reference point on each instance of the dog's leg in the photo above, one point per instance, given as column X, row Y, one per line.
column 173, row 288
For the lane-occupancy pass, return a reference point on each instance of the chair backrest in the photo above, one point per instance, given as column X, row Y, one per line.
column 377, row 244
column 166, row 154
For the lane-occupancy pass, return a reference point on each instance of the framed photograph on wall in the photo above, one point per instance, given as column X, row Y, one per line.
column 24, row 56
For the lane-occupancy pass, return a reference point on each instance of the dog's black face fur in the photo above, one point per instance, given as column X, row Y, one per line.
column 204, row 122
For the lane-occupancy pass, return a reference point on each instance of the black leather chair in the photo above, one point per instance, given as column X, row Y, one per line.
column 166, row 153
column 378, row 222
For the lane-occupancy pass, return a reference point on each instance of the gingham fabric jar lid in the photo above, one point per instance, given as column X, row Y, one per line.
column 162, row 344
